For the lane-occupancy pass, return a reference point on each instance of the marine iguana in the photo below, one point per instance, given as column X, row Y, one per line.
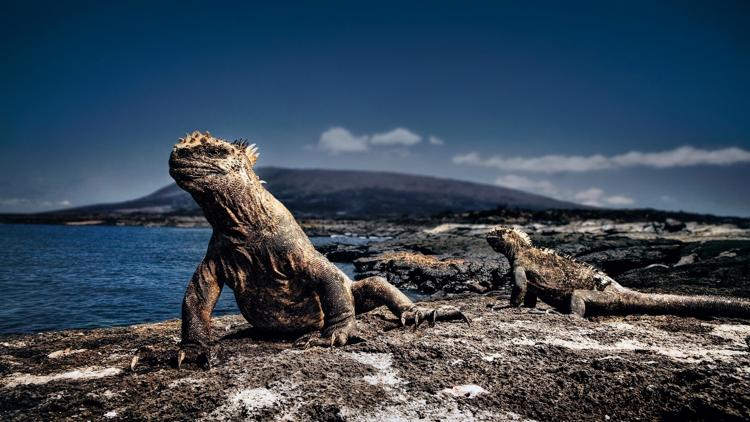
column 576, row 287
column 282, row 285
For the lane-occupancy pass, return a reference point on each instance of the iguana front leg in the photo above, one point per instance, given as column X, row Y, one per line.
column 520, row 286
column 526, row 288
column 201, row 295
column 334, row 291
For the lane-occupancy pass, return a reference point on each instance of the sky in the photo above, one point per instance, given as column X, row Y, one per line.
column 617, row 104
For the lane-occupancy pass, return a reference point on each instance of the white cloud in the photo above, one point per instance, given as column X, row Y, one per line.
column 678, row 157
column 434, row 140
column 593, row 196
column 31, row 201
column 513, row 181
column 398, row 136
column 619, row 200
column 596, row 197
column 11, row 203
column 666, row 198
column 683, row 157
column 339, row 139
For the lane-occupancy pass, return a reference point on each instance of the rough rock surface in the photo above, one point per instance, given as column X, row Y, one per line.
column 455, row 258
column 429, row 274
column 717, row 267
column 509, row 365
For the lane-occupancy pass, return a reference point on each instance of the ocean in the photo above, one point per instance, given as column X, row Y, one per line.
column 64, row 277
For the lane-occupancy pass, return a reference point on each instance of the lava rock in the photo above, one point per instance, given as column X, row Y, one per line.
column 563, row 369
column 719, row 267
column 430, row 273
column 671, row 225
column 337, row 252
column 618, row 260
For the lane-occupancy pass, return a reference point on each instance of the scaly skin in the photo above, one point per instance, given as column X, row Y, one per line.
column 281, row 283
column 572, row 286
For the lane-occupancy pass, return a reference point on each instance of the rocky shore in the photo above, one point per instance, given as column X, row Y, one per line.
column 510, row 364
column 440, row 258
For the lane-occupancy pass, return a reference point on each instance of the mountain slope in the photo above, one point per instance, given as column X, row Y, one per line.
column 347, row 193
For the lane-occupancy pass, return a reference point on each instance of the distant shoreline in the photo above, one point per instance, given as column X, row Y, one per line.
column 492, row 216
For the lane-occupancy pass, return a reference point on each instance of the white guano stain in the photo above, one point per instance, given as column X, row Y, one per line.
column 66, row 352
column 245, row 403
column 75, row 375
column 383, row 363
column 467, row 390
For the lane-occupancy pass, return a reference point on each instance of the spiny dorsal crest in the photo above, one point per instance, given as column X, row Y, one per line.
column 241, row 143
column 521, row 235
column 250, row 150
column 195, row 137
column 252, row 153
column 574, row 260
column 511, row 234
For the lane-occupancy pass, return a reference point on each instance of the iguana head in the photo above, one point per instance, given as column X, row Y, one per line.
column 202, row 164
column 508, row 240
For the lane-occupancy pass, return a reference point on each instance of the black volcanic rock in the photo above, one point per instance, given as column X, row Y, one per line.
column 671, row 225
column 603, row 368
column 716, row 266
column 614, row 254
column 509, row 365
column 618, row 260
column 431, row 274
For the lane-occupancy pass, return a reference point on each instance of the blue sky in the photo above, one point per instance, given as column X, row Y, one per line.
column 625, row 104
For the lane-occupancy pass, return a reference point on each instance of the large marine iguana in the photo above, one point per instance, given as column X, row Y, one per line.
column 282, row 285
column 572, row 286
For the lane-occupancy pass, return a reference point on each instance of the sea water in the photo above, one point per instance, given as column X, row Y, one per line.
column 60, row 277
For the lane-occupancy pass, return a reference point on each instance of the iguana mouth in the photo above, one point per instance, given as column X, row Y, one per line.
column 190, row 173
column 189, row 169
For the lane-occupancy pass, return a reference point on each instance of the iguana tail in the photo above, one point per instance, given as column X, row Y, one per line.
column 628, row 301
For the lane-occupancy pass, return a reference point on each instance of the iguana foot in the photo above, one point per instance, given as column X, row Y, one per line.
column 148, row 356
column 205, row 356
column 416, row 316
column 338, row 334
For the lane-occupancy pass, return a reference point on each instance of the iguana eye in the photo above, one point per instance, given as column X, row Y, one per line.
column 216, row 151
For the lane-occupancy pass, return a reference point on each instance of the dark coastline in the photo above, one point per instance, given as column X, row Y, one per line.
column 193, row 218
column 633, row 367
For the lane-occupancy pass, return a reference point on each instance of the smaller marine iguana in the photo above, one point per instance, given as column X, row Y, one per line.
column 282, row 285
column 572, row 286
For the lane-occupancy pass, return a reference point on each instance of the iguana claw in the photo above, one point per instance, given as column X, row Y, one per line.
column 466, row 319
column 204, row 356
column 433, row 317
column 180, row 358
column 134, row 362
column 143, row 353
column 417, row 316
column 339, row 334
column 149, row 356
